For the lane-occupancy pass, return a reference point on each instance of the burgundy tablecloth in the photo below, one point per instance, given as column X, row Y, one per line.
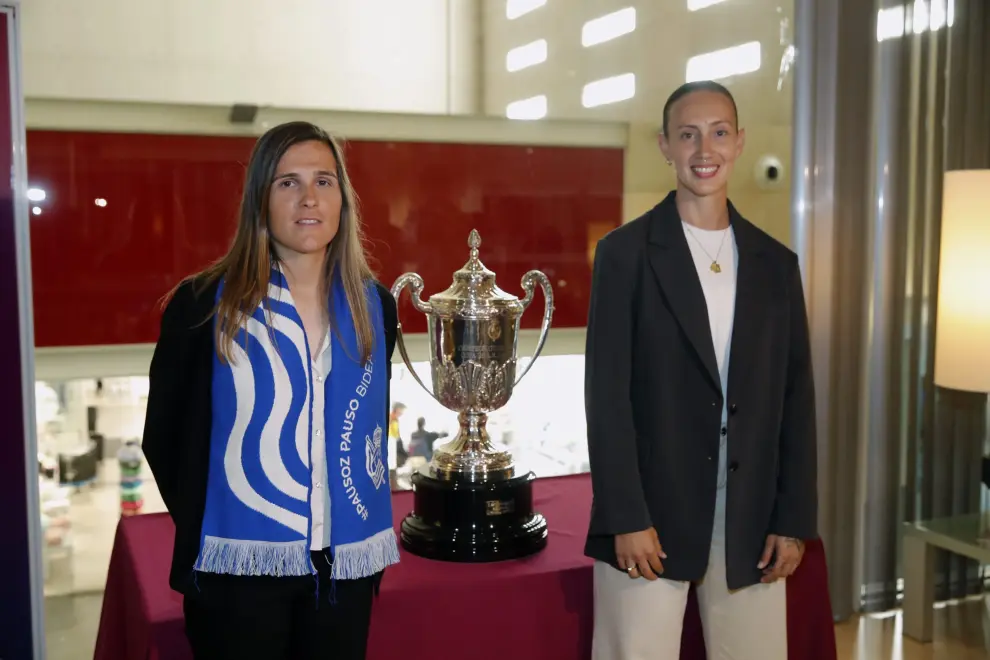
column 536, row 608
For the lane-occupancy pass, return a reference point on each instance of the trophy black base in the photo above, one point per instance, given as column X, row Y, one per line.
column 473, row 522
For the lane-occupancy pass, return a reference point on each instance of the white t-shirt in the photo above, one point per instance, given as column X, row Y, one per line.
column 720, row 297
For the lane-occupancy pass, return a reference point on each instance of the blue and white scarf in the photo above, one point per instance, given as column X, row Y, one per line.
column 259, row 516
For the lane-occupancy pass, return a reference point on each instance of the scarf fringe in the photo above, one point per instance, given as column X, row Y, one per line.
column 236, row 557
column 352, row 561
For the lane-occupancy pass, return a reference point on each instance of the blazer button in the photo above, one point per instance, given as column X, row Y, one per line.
column 733, row 466
column 733, row 408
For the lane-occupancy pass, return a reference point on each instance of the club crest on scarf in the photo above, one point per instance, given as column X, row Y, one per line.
column 373, row 460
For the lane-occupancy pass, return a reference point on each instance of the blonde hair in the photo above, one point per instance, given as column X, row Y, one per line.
column 246, row 268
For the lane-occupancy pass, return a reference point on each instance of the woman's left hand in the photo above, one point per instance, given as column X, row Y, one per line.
column 787, row 553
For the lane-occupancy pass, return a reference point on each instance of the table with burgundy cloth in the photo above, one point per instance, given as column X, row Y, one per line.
column 539, row 607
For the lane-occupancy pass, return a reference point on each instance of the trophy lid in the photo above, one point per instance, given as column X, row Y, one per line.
column 474, row 292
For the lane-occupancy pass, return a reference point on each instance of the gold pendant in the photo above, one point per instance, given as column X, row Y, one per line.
column 715, row 268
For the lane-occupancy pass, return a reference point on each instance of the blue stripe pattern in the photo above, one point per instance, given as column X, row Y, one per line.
column 267, row 478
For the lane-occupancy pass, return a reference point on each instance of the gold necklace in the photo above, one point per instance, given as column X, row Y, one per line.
column 715, row 267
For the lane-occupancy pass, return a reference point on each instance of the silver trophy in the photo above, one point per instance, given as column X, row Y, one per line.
column 473, row 330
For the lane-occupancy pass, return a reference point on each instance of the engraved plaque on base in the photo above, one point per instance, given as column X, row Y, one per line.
column 470, row 504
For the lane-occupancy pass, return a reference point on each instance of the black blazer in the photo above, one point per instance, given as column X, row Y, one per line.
column 177, row 425
column 654, row 402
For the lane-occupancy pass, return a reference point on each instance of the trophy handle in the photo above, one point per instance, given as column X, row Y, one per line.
column 415, row 284
column 529, row 282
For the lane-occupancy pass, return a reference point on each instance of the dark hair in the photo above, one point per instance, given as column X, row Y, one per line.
column 691, row 88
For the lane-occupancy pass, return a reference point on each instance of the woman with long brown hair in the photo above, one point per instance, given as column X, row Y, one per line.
column 266, row 417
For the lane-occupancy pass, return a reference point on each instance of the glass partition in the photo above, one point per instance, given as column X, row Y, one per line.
column 91, row 470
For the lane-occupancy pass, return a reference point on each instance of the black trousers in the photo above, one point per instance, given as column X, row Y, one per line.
column 297, row 618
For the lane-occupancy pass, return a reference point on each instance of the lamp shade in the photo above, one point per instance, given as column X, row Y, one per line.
column 962, row 331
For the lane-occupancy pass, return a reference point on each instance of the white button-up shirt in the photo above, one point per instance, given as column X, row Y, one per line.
column 320, row 501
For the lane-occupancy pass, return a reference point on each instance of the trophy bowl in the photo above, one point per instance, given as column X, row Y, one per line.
column 470, row 503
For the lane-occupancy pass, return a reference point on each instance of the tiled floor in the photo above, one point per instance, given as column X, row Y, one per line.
column 94, row 512
column 962, row 632
column 71, row 623
column 74, row 588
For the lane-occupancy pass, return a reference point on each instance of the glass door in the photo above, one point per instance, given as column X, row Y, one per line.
column 22, row 635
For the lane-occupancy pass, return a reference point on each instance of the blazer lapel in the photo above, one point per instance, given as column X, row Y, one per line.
column 753, row 286
column 672, row 264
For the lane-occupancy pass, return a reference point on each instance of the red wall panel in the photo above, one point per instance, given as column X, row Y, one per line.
column 125, row 216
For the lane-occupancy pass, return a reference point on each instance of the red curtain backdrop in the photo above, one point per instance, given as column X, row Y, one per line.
column 125, row 216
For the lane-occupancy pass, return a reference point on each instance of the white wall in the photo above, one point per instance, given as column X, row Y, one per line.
column 666, row 36
column 164, row 118
column 365, row 55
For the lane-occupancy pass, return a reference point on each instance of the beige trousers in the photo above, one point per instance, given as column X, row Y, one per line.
column 642, row 620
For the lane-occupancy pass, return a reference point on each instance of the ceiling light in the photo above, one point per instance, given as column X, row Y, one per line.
column 516, row 8
column 695, row 5
column 531, row 108
column 724, row 63
column 526, row 56
column 608, row 27
column 609, row 90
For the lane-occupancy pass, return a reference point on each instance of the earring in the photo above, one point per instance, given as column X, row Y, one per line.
column 668, row 162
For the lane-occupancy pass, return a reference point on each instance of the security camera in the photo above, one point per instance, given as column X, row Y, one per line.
column 769, row 172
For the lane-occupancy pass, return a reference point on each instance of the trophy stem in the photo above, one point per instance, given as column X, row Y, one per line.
column 473, row 436
column 471, row 456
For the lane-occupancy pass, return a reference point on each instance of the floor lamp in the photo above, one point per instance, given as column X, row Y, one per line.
column 962, row 356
